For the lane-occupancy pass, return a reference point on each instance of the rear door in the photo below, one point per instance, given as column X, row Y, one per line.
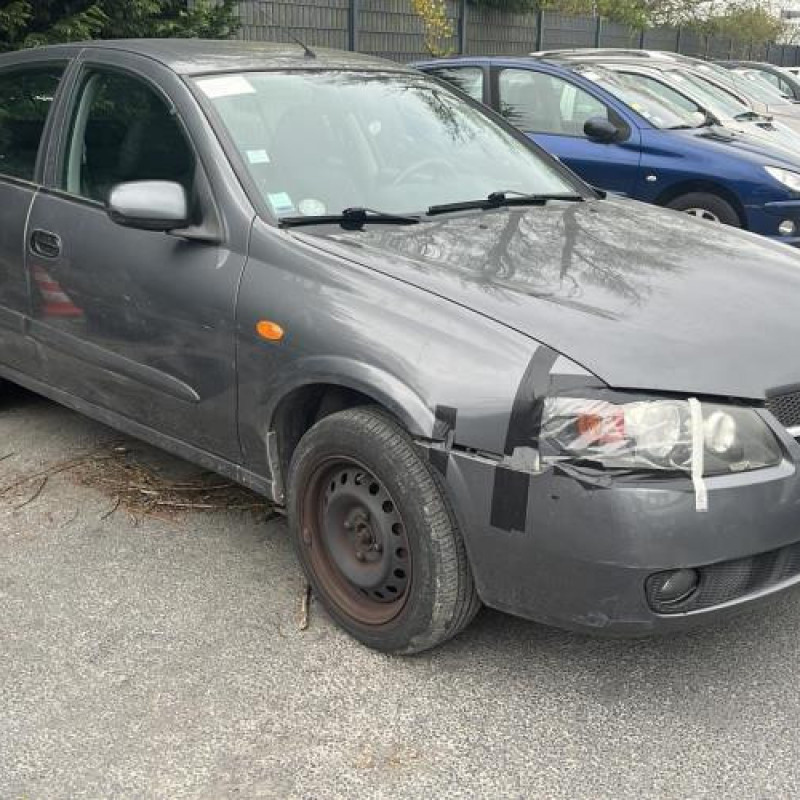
column 27, row 94
column 553, row 110
column 137, row 322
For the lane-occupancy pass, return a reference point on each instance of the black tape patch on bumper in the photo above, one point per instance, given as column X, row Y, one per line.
column 510, row 499
column 510, row 495
column 439, row 459
column 444, row 428
column 445, row 422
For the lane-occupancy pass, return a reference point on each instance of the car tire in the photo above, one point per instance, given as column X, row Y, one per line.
column 376, row 535
column 704, row 205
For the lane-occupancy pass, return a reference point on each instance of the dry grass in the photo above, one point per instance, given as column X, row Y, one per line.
column 123, row 473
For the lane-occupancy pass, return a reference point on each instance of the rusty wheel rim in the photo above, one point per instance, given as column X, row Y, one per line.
column 356, row 542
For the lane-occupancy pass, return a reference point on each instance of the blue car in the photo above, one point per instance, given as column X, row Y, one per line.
column 627, row 140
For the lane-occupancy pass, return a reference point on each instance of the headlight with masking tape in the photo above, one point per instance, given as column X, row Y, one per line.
column 656, row 435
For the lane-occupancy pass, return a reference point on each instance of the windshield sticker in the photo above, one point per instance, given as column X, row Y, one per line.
column 225, row 86
column 281, row 203
column 258, row 156
column 311, row 207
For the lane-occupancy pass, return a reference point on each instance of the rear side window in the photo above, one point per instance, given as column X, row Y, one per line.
column 26, row 96
column 123, row 130
column 468, row 79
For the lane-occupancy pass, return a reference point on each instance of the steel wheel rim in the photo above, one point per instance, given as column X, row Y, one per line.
column 356, row 542
column 702, row 213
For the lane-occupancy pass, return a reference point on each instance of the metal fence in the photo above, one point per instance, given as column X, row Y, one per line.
column 391, row 29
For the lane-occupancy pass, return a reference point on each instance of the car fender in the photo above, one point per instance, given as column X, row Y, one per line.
column 384, row 388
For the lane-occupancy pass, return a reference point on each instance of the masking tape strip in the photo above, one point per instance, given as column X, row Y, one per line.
column 509, row 510
column 698, row 451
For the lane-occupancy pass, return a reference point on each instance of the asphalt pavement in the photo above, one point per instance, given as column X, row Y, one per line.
column 151, row 646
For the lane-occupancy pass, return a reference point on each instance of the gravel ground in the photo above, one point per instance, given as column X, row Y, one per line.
column 158, row 655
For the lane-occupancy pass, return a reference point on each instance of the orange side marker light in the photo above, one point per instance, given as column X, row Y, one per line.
column 270, row 331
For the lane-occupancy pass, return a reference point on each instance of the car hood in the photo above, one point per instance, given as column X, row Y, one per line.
column 643, row 298
column 751, row 147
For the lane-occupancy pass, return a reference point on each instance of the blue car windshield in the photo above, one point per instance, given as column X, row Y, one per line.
column 657, row 110
column 316, row 142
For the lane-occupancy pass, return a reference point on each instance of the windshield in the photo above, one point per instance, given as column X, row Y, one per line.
column 761, row 86
column 317, row 142
column 658, row 111
column 751, row 90
column 722, row 103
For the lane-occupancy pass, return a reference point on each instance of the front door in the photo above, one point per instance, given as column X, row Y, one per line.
column 137, row 322
column 553, row 111
column 26, row 97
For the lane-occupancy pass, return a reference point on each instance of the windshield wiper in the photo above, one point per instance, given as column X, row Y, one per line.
column 709, row 121
column 351, row 219
column 748, row 116
column 502, row 199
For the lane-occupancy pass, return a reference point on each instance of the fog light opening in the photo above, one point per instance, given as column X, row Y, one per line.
column 787, row 228
column 673, row 587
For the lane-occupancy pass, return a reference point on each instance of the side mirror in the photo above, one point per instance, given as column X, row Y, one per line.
column 149, row 205
column 599, row 129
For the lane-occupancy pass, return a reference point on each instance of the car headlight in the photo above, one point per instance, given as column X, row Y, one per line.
column 786, row 177
column 655, row 435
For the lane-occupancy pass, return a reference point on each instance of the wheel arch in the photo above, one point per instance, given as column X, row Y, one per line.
column 327, row 386
column 709, row 187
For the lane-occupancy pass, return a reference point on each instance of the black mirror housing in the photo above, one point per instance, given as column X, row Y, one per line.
column 599, row 129
column 149, row 205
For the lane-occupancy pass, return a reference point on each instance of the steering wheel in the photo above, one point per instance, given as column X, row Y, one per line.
column 421, row 165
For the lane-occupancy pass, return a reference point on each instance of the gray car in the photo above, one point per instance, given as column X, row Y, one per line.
column 465, row 375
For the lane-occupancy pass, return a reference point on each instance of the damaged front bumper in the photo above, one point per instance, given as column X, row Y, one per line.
column 582, row 554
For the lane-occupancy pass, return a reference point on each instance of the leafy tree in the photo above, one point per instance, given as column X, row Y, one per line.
column 637, row 13
column 29, row 23
column 751, row 20
column 746, row 20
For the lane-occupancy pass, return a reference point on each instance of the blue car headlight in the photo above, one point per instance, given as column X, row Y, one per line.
column 785, row 176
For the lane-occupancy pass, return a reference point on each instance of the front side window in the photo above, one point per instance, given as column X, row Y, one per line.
column 468, row 79
column 316, row 142
column 542, row 103
column 123, row 130
column 26, row 96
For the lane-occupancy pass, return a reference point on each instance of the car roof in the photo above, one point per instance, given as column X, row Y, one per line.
column 523, row 61
column 611, row 58
column 201, row 56
column 613, row 52
column 745, row 63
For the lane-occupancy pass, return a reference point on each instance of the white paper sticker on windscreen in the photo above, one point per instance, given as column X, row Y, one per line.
column 225, row 86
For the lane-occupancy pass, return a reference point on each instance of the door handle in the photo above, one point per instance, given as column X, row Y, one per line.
column 45, row 244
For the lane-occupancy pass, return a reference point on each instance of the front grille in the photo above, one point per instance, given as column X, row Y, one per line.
column 786, row 408
column 730, row 580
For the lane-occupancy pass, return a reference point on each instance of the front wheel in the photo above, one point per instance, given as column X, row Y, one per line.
column 709, row 207
column 376, row 536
